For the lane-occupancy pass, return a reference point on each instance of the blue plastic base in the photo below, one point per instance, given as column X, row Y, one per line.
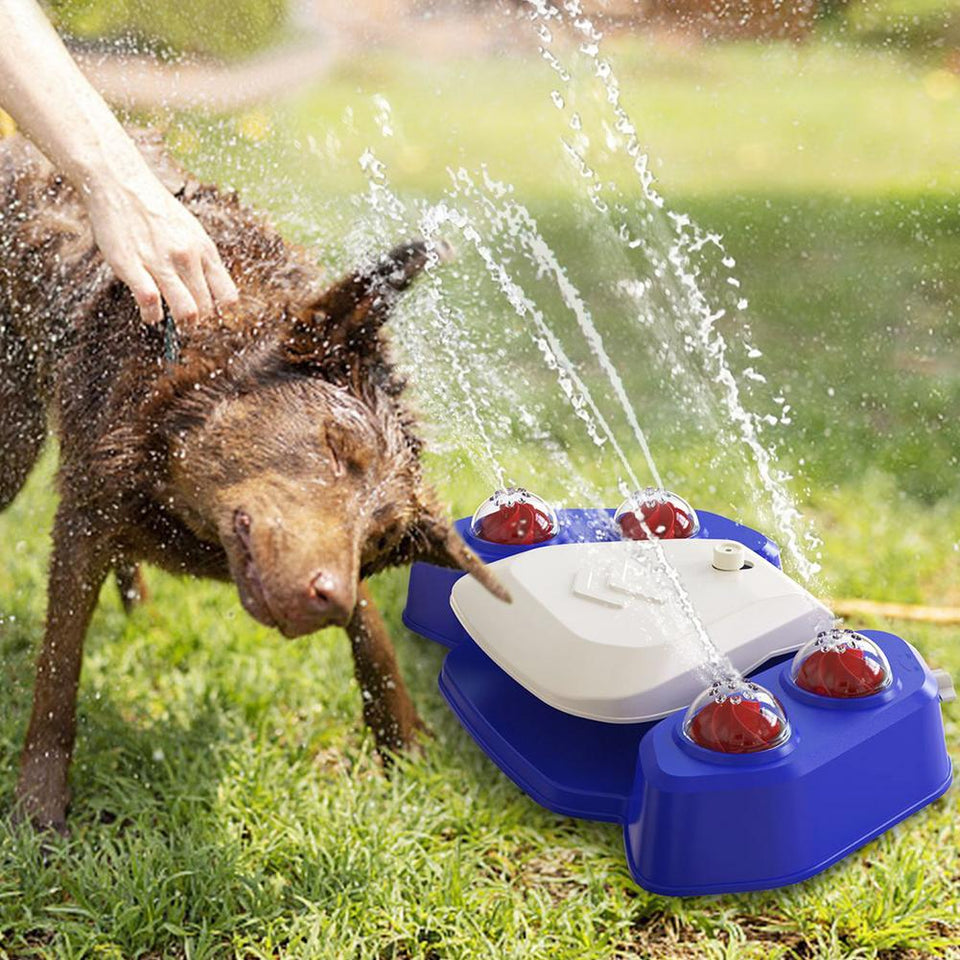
column 573, row 766
column 697, row 822
column 700, row 822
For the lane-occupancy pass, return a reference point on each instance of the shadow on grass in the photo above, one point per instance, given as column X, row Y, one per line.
column 151, row 857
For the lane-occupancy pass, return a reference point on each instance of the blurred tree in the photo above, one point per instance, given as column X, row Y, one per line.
column 206, row 27
column 707, row 18
column 748, row 18
column 928, row 28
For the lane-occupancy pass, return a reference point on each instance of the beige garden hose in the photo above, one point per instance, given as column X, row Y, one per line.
column 944, row 616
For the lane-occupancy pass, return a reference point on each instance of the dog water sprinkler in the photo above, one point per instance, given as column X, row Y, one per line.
column 588, row 692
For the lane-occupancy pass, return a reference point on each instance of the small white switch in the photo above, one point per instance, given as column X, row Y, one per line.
column 642, row 580
column 729, row 555
column 590, row 583
column 945, row 685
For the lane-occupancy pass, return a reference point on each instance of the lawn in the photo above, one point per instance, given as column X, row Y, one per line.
column 227, row 801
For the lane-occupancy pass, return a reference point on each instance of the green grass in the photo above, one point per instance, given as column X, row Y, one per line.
column 227, row 32
column 717, row 119
column 226, row 797
column 227, row 802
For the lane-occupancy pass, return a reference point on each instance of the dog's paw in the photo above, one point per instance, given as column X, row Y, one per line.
column 42, row 798
column 408, row 739
column 45, row 818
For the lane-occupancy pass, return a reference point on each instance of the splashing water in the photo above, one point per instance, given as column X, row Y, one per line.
column 516, row 220
column 693, row 312
column 492, row 342
column 679, row 617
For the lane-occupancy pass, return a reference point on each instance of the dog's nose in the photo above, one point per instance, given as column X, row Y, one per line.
column 329, row 599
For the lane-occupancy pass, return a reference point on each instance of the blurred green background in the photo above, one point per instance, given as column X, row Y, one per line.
column 226, row 799
column 205, row 27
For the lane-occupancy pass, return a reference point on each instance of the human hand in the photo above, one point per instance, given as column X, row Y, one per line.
column 158, row 248
column 152, row 242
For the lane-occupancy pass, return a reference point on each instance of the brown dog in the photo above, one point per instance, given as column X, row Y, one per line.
column 274, row 451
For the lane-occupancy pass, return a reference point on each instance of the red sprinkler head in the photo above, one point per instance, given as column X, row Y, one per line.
column 515, row 516
column 655, row 513
column 736, row 716
column 841, row 663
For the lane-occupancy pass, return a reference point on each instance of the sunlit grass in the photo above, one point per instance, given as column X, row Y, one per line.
column 227, row 800
column 721, row 118
column 846, row 249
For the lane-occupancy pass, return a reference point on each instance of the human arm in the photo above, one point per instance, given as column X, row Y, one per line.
column 150, row 240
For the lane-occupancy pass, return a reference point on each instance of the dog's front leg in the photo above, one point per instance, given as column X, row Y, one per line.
column 78, row 567
column 387, row 708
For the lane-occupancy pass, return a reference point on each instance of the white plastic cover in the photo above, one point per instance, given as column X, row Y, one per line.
column 597, row 629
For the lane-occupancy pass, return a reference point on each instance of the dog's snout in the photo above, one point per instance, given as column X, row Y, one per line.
column 277, row 586
column 329, row 597
column 323, row 600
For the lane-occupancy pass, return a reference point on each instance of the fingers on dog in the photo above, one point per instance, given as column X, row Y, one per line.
column 220, row 283
column 183, row 307
column 191, row 273
column 144, row 290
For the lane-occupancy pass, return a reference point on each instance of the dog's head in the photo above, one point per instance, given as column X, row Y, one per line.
column 301, row 460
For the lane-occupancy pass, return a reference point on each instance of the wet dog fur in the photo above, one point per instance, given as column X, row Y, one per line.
column 276, row 452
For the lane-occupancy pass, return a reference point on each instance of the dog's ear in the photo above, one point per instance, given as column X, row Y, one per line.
column 342, row 324
column 438, row 542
